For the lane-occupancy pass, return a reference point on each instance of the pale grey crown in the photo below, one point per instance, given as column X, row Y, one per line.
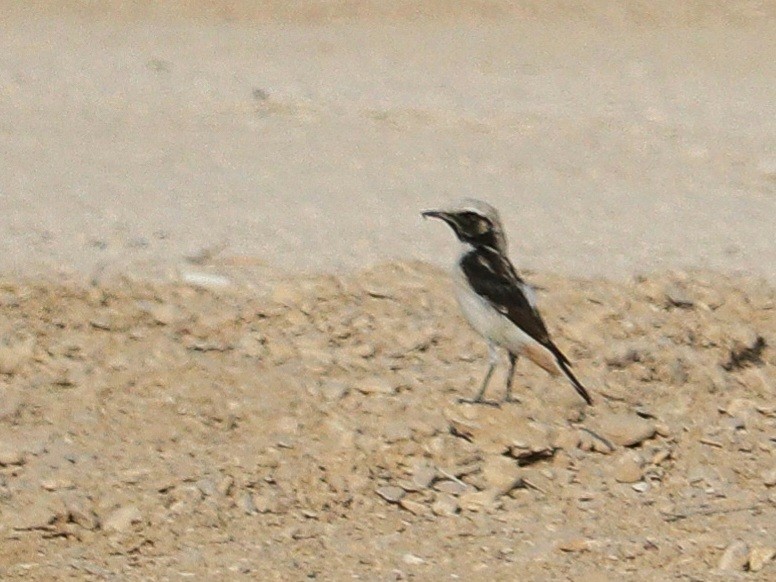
column 486, row 210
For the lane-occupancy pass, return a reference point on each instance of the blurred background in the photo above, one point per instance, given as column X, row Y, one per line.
column 307, row 136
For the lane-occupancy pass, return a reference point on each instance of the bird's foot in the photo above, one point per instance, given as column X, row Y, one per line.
column 479, row 401
column 509, row 399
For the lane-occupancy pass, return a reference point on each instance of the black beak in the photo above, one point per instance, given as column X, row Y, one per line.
column 434, row 214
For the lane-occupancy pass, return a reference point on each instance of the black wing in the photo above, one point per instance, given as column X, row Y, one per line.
column 492, row 275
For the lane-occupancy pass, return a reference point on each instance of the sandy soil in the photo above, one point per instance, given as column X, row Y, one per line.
column 169, row 432
column 209, row 371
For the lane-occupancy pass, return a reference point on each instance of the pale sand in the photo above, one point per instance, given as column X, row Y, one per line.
column 612, row 142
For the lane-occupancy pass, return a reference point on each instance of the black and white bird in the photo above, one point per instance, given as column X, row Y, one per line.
column 498, row 304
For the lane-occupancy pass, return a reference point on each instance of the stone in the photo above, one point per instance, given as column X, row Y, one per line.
column 759, row 556
column 414, row 507
column 476, row 501
column 445, row 505
column 451, row 487
column 122, row 519
column 678, row 297
column 734, row 558
column 376, row 386
column 11, row 454
column 501, row 474
column 412, row 559
column 424, row 476
column 390, row 493
column 626, row 430
column 628, row 467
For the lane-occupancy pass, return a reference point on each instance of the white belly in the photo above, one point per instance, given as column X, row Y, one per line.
column 496, row 328
column 486, row 320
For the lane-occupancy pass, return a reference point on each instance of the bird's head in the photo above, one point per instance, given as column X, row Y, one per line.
column 474, row 222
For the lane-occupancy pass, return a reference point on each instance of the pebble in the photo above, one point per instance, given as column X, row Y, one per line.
column 734, row 558
column 11, row 454
column 376, row 386
column 122, row 519
column 424, row 476
column 451, row 487
column 626, row 430
column 205, row 280
column 333, row 390
column 412, row 560
column 759, row 556
column 414, row 507
column 264, row 503
column 574, row 544
column 81, row 514
column 397, row 431
column 641, row 487
column 628, row 467
column 390, row 493
column 476, row 501
column 678, row 296
column 501, row 473
column 246, row 504
column 445, row 505
column 769, row 477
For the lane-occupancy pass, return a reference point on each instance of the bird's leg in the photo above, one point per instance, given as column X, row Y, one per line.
column 479, row 399
column 510, row 379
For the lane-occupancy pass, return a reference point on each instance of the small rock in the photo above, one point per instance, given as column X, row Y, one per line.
column 451, row 487
column 424, row 476
column 769, row 477
column 412, row 559
column 735, row 557
column 678, row 297
column 391, row 493
column 574, row 544
column 478, row 500
column 205, row 280
column 80, row 514
column 122, row 519
column 164, row 313
column 397, row 431
column 628, row 467
column 626, row 430
column 641, row 487
column 376, row 386
column 246, row 504
column 225, row 485
column 333, row 390
column 445, row 505
column 502, row 474
column 264, row 503
column 56, row 484
column 414, row 507
column 11, row 455
column 207, row 487
column 759, row 556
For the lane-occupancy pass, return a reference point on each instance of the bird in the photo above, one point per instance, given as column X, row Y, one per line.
column 496, row 301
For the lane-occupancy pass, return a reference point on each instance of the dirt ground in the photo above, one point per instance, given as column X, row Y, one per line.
column 169, row 432
column 228, row 350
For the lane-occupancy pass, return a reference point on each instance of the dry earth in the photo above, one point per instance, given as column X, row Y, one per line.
column 170, row 431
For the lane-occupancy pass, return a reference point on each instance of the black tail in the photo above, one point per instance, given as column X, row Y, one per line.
column 564, row 365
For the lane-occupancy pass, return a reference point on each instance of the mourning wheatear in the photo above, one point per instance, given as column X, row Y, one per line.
column 498, row 304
